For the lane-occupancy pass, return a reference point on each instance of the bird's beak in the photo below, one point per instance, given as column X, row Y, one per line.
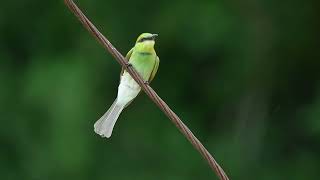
column 154, row 36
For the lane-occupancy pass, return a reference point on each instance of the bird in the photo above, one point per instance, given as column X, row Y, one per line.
column 143, row 58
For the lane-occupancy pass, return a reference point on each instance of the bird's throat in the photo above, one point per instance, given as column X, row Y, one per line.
column 145, row 47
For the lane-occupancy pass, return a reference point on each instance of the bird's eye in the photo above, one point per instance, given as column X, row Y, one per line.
column 142, row 39
column 146, row 39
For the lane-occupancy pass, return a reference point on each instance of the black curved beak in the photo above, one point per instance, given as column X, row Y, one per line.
column 154, row 36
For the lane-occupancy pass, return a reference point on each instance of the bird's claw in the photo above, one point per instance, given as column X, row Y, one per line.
column 128, row 64
column 146, row 82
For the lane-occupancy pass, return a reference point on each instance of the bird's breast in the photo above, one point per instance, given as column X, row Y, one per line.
column 143, row 62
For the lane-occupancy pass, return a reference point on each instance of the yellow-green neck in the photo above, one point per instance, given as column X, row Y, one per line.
column 147, row 46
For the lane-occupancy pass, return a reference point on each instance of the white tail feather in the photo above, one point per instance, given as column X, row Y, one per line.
column 128, row 89
column 105, row 124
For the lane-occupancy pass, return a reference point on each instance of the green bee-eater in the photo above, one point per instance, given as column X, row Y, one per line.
column 145, row 61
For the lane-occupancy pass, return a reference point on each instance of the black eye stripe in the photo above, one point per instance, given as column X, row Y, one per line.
column 146, row 38
column 141, row 40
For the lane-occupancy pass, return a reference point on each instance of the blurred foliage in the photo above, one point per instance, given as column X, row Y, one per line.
column 243, row 75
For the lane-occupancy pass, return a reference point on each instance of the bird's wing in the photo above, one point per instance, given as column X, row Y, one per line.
column 155, row 69
column 127, row 58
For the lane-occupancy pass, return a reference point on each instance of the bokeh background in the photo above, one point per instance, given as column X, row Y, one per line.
column 243, row 75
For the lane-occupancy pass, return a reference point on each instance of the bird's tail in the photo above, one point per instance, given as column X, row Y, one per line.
column 105, row 124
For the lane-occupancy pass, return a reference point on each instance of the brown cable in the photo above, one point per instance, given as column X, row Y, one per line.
column 148, row 90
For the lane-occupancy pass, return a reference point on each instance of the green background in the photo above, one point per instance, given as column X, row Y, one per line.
column 243, row 75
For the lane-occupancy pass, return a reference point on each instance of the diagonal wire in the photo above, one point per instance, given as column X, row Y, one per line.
column 148, row 90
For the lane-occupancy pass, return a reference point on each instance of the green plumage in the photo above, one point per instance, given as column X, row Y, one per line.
column 146, row 62
column 144, row 58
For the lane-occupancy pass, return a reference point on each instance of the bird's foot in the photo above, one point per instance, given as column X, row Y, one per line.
column 146, row 82
column 128, row 64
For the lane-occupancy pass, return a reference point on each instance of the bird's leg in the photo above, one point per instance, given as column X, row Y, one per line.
column 128, row 64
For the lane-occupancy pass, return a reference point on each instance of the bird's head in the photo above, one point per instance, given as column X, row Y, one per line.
column 146, row 37
column 146, row 40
